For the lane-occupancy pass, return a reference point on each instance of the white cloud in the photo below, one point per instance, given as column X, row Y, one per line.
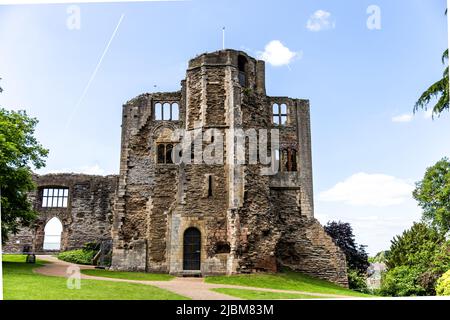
column 407, row 117
column 363, row 189
column 319, row 21
column 277, row 54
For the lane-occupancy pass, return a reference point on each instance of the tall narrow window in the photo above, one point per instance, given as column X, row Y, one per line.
column 169, row 149
column 210, row 186
column 289, row 160
column 168, row 111
column 279, row 114
column 55, row 197
column 242, row 65
column 158, row 111
column 175, row 111
column 161, row 153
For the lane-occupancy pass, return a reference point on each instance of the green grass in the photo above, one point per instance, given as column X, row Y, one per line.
column 21, row 283
column 285, row 281
column 262, row 295
column 128, row 275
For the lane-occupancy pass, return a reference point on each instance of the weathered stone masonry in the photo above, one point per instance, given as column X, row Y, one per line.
column 203, row 219
column 250, row 222
column 87, row 217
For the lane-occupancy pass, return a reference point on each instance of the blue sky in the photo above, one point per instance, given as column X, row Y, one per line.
column 368, row 148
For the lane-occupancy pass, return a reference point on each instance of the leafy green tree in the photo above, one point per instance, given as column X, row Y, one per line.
column 380, row 257
column 402, row 281
column 342, row 234
column 19, row 150
column 421, row 253
column 433, row 195
column 417, row 246
column 438, row 90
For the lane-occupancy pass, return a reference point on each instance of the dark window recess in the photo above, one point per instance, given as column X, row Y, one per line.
column 242, row 66
column 210, row 186
column 169, row 149
column 165, row 153
column 222, row 247
column 289, row 158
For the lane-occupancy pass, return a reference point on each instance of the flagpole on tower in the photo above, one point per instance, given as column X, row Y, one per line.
column 223, row 38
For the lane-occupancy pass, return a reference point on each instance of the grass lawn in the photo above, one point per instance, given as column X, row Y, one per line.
column 21, row 283
column 262, row 295
column 128, row 275
column 285, row 281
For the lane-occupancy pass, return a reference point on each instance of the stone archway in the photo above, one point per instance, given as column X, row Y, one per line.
column 39, row 232
column 53, row 235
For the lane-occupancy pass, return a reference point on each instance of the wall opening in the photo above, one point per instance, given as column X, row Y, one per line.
column 52, row 234
column 191, row 249
column 242, row 66
column 210, row 186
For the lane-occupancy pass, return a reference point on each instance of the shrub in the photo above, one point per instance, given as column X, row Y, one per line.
column 443, row 285
column 80, row 256
column 357, row 281
column 402, row 281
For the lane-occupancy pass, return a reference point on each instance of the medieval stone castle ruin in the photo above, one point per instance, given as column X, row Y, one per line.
column 197, row 218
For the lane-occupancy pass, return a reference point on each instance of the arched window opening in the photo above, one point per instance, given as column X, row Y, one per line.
column 167, row 111
column 52, row 234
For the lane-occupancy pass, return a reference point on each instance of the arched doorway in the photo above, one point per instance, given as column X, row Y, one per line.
column 191, row 249
column 52, row 234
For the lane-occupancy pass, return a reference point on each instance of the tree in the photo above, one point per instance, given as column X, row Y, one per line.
column 19, row 149
column 417, row 258
column 380, row 257
column 443, row 285
column 402, row 281
column 342, row 234
column 416, row 246
column 437, row 90
column 433, row 195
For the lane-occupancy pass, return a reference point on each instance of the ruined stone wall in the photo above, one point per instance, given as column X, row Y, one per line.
column 146, row 189
column 250, row 222
column 87, row 217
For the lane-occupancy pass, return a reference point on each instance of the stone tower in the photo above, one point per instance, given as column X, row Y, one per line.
column 225, row 216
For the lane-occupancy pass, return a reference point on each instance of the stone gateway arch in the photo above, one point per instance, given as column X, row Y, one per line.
column 200, row 218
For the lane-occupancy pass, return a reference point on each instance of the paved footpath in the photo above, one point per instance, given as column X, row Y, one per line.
column 194, row 288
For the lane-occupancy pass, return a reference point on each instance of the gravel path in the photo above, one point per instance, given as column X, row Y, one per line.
column 194, row 288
